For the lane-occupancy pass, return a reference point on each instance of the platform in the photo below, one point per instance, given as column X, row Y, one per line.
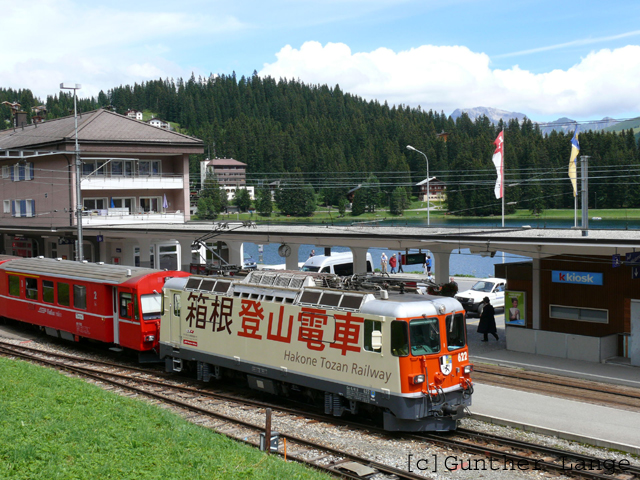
column 568, row 419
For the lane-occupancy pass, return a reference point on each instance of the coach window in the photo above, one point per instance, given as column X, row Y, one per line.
column 369, row 327
column 455, row 331
column 47, row 291
column 63, row 294
column 80, row 297
column 399, row 339
column 31, row 285
column 14, row 285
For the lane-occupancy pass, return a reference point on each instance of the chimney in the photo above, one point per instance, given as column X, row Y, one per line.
column 20, row 119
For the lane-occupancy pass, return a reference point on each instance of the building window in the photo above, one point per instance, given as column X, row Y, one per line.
column 94, row 203
column 122, row 168
column 149, row 167
column 149, row 204
column 7, row 206
column 5, row 171
column 593, row 315
column 23, row 208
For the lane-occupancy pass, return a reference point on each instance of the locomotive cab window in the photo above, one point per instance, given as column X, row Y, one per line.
column 151, row 305
column 425, row 336
column 31, row 287
column 176, row 304
column 371, row 326
column 47, row 291
column 399, row 339
column 80, row 297
column 455, row 331
column 14, row 285
column 63, row 294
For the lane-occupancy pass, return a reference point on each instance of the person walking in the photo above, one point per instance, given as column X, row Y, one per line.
column 312, row 254
column 383, row 264
column 392, row 263
column 487, row 324
column 428, row 263
column 400, row 270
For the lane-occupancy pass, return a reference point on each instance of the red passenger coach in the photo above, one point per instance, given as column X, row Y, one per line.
column 109, row 303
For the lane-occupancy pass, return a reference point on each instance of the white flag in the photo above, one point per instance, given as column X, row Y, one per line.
column 498, row 161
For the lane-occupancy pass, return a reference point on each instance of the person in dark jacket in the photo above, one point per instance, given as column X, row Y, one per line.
column 487, row 324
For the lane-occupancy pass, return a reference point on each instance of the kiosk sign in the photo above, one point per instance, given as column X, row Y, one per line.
column 579, row 278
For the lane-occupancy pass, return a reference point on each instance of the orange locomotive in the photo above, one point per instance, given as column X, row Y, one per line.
column 109, row 303
column 355, row 344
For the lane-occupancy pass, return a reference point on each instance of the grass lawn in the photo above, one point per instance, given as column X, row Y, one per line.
column 55, row 427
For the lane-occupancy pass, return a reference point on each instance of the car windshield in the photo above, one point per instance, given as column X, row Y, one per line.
column 151, row 305
column 310, row 268
column 425, row 336
column 483, row 286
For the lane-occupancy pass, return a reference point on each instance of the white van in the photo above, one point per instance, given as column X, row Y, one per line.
column 340, row 263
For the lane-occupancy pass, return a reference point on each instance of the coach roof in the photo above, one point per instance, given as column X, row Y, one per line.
column 91, row 272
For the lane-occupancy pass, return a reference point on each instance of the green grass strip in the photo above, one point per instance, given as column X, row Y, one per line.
column 56, row 427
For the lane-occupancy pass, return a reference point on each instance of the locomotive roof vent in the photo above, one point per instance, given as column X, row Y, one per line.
column 59, row 259
column 40, row 256
column 128, row 272
column 384, row 295
column 99, row 263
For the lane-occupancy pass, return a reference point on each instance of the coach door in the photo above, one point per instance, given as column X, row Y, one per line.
column 116, row 323
column 129, row 329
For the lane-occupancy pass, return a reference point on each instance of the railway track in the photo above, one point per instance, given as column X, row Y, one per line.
column 472, row 450
column 617, row 396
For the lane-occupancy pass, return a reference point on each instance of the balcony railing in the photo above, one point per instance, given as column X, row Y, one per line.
column 119, row 216
column 128, row 182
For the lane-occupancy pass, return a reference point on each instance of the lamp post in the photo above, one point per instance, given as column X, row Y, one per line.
column 75, row 87
column 409, row 147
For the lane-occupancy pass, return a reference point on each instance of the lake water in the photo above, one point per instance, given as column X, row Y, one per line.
column 461, row 262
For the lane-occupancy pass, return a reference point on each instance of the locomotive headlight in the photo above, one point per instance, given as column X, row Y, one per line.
column 417, row 379
column 468, row 369
column 149, row 338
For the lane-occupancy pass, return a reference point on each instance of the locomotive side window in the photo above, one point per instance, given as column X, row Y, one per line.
column 14, row 285
column 80, row 297
column 455, row 331
column 425, row 336
column 31, row 286
column 47, row 291
column 369, row 327
column 63, row 294
column 176, row 304
column 399, row 339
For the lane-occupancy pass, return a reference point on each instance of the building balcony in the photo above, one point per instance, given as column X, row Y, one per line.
column 133, row 182
column 122, row 216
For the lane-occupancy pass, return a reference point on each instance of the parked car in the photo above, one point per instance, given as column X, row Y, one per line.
column 493, row 288
column 249, row 263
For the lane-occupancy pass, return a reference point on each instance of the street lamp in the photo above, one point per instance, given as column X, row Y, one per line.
column 75, row 87
column 409, row 147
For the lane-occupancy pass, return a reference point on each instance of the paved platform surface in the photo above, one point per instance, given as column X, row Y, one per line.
column 568, row 419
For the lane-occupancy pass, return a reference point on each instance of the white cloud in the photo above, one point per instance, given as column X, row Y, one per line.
column 97, row 46
column 448, row 77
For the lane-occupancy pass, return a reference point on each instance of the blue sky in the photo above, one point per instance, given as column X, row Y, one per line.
column 546, row 59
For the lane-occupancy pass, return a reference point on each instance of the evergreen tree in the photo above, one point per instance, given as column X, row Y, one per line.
column 264, row 202
column 242, row 199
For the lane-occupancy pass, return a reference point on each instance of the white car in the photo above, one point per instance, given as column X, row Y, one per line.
column 493, row 288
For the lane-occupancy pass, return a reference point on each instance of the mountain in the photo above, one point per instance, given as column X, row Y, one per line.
column 563, row 124
column 568, row 125
column 493, row 114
